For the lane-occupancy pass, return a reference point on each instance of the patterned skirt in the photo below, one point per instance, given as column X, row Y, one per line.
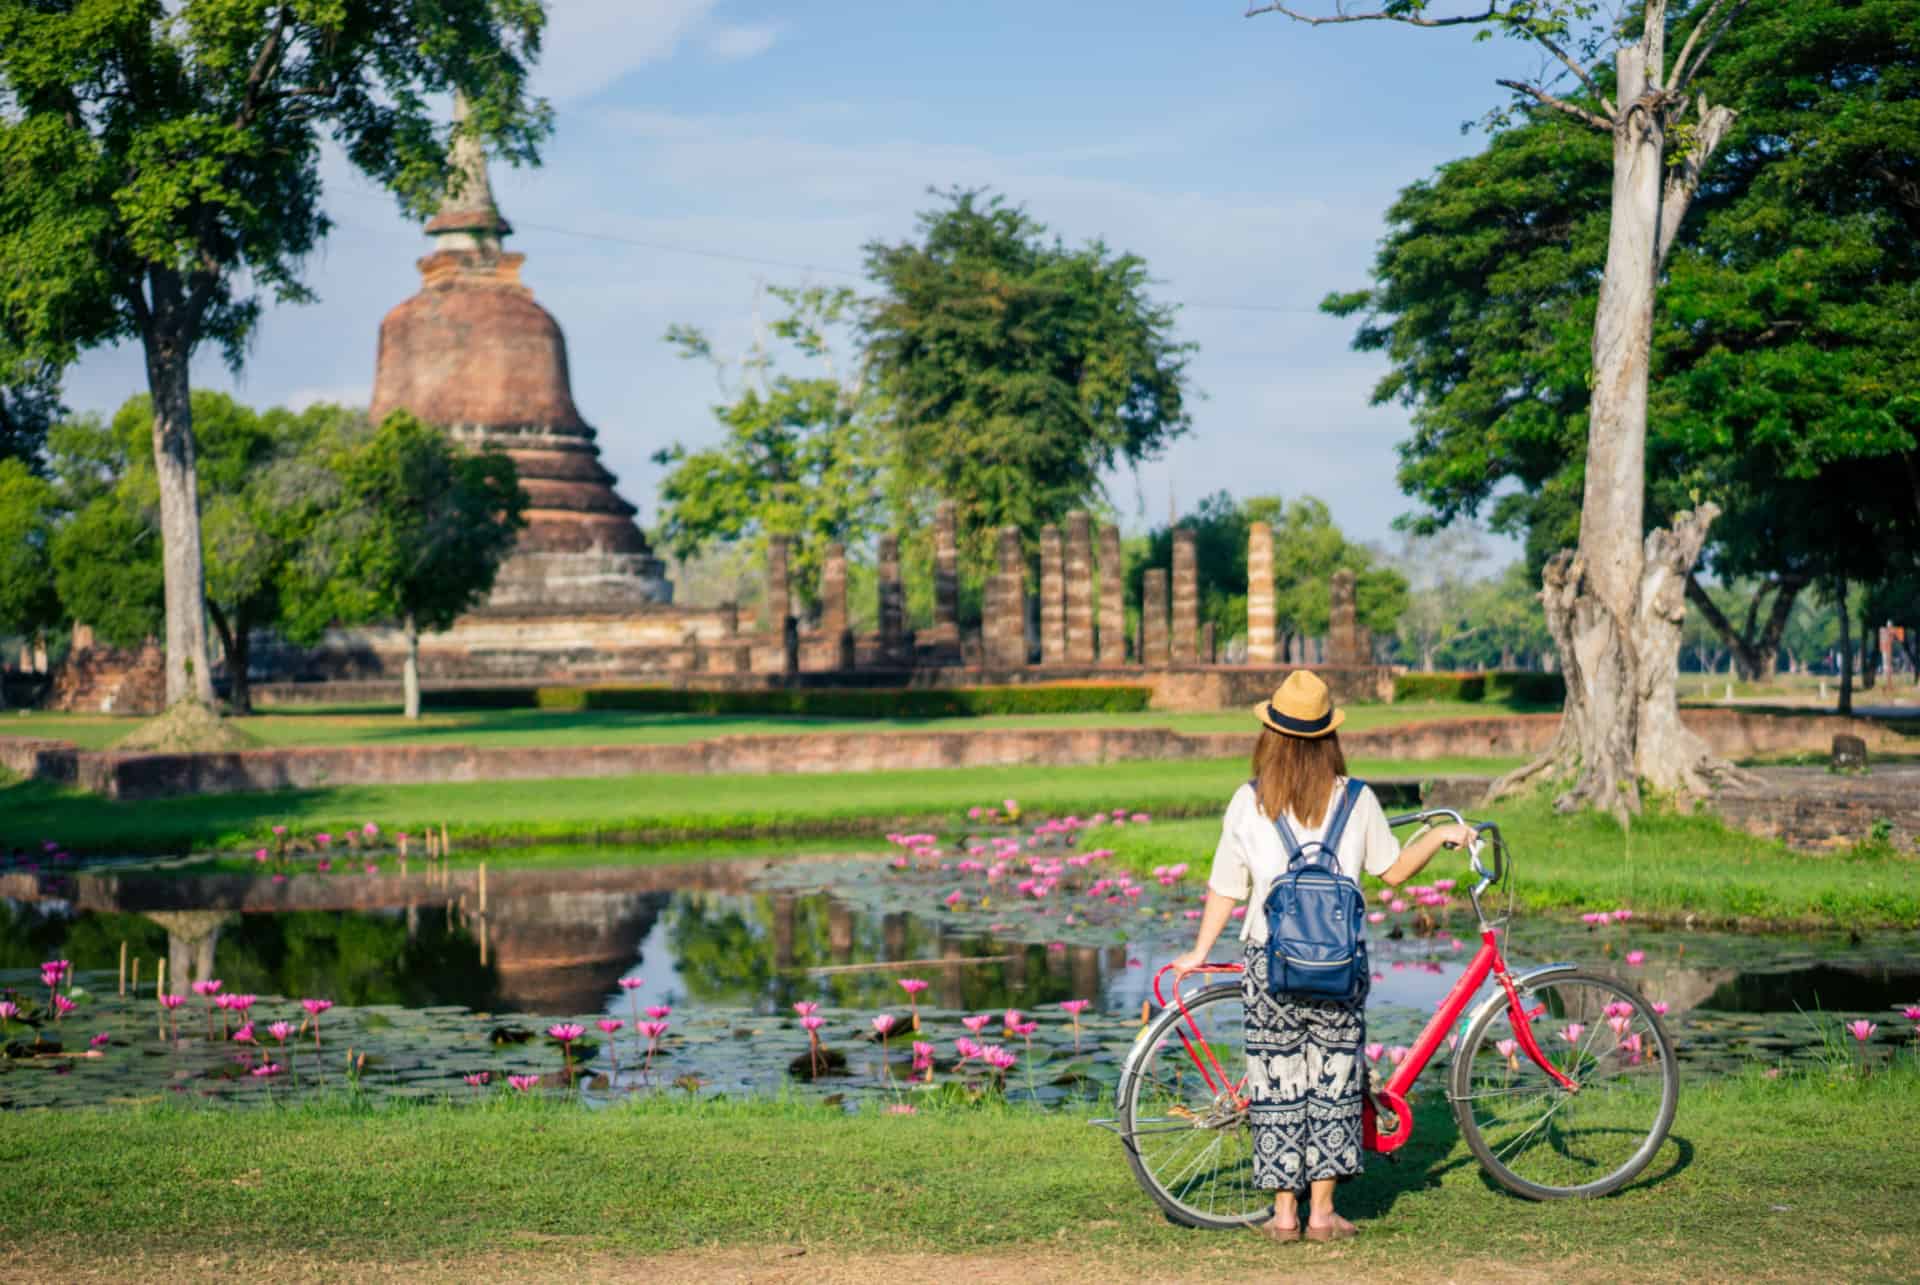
column 1304, row 1075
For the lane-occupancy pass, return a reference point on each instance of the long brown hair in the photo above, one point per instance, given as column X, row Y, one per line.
column 1295, row 774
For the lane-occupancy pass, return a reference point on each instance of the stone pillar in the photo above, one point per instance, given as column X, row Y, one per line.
column 1005, row 615
column 1343, row 630
column 779, row 604
column 1113, row 606
column 1153, row 618
column 1079, row 572
column 946, row 569
column 1207, row 650
column 893, row 601
column 1263, row 641
column 834, row 628
column 1186, row 599
column 790, row 647
column 1053, row 598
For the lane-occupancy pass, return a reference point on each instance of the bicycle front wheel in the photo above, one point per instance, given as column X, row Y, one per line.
column 1183, row 1125
column 1541, row 1140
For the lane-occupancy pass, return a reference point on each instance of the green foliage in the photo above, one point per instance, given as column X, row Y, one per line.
column 797, row 458
column 1063, row 698
column 1787, row 316
column 107, row 570
column 419, row 530
column 27, row 599
column 29, row 404
column 1526, row 687
column 1015, row 369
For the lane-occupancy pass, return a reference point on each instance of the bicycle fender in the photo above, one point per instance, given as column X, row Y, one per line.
column 1520, row 982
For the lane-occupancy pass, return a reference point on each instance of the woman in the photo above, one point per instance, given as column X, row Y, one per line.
column 1304, row 1068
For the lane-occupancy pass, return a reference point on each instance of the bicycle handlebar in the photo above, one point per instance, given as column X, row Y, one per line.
column 1481, row 830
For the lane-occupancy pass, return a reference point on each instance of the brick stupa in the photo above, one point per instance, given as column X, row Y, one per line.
column 474, row 354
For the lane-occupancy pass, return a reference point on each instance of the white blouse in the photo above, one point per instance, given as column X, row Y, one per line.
column 1250, row 855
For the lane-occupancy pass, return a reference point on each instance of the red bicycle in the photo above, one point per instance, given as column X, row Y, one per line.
column 1563, row 1082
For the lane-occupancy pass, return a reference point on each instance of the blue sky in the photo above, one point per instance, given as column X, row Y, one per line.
column 1248, row 161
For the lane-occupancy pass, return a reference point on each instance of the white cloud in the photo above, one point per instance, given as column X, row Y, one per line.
column 589, row 44
column 738, row 41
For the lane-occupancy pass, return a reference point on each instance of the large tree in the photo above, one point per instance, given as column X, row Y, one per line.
column 416, row 536
column 1015, row 369
column 160, row 179
column 797, row 455
column 1616, row 602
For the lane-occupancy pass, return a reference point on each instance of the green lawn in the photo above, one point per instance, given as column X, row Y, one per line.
column 365, row 725
column 1666, row 865
column 643, row 808
column 1798, row 1178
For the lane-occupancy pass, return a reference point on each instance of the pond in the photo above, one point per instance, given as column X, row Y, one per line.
column 434, row 973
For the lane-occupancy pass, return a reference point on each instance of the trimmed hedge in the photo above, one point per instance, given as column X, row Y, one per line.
column 1522, row 686
column 824, row 702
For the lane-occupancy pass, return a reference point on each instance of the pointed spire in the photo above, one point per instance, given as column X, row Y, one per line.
column 468, row 219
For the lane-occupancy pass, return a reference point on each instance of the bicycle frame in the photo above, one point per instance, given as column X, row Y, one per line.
column 1392, row 1096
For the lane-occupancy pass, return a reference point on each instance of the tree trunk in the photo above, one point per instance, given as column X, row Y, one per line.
column 1755, row 654
column 189, row 675
column 410, row 671
column 1616, row 604
column 1869, row 652
column 1846, row 650
column 234, row 642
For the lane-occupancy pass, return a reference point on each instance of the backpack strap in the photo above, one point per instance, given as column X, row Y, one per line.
column 1342, row 812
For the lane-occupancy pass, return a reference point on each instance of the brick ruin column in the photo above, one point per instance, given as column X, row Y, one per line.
column 946, row 569
column 1113, row 607
column 1053, row 598
column 779, row 604
column 1263, row 640
column 1208, row 652
column 834, row 629
column 1186, row 599
column 1343, row 630
column 1005, row 624
column 1153, row 618
column 893, row 601
column 1079, row 572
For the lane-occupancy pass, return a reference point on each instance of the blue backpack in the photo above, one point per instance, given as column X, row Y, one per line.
column 1316, row 916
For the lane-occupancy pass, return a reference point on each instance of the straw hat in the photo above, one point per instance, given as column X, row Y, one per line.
column 1301, row 706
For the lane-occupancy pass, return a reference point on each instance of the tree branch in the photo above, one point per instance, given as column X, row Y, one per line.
column 1559, row 104
column 262, row 71
column 1685, row 181
column 1579, row 71
column 1683, row 73
column 1409, row 19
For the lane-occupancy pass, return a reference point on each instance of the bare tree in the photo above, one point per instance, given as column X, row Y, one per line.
column 1615, row 604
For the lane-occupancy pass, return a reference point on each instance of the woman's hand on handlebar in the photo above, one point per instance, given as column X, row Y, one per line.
column 1455, row 834
column 1184, row 964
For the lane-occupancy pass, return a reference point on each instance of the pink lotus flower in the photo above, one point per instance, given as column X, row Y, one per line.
column 1376, row 916
column 1619, row 1008
column 244, row 1035
column 99, row 1040
column 1506, row 1048
column 206, row 988
column 172, row 1001
column 1000, row 1059
column 966, row 1048
column 281, row 1030
column 901, row 1108
column 8, row 1010
column 1635, row 958
column 1572, row 1032
column 1912, row 1012
column 654, row 1030
column 609, row 1024
column 280, row 830
column 631, row 983
column 1862, row 1029
column 922, row 1055
column 1444, row 885
column 1397, row 1054
column 811, row 1022
column 1660, row 1007
column 1399, row 906
column 659, row 1011
column 1024, row 1028
column 266, row 1069
column 478, row 1078
column 884, row 1023
column 316, row 1006
column 1074, row 1006
column 1011, row 1018
column 370, row 830
column 240, row 1003
column 260, row 855
column 976, row 1024
column 323, row 838
column 522, row 1083
column 912, row 985
column 1456, row 944
column 806, row 1008
column 566, row 1032
column 1374, row 1051
column 1619, row 1025
column 62, row 1006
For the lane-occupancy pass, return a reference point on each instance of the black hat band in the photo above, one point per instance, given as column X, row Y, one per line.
column 1299, row 726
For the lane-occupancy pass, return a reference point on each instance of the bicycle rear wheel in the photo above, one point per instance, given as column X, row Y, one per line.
column 1542, row 1141
column 1186, row 1136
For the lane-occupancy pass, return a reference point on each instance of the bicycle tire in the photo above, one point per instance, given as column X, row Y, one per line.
column 1127, row 1099
column 1460, row 1086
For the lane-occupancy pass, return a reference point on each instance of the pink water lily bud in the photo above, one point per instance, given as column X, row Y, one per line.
column 1506, row 1048
column 1635, row 958
column 609, row 1024
column 1572, row 1032
column 883, row 1023
column 478, row 1078
column 172, row 1001
column 1374, row 1051
column 522, row 1083
column 658, row 1011
column 281, row 1030
column 316, row 1006
column 1074, row 1006
column 812, row 1022
column 631, row 983
column 654, row 1030
column 566, row 1032
column 62, row 1006
column 1660, row 1007
column 912, row 985
column 1397, row 1054
column 976, row 1024
column 208, row 987
column 806, row 1008
column 1862, row 1029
